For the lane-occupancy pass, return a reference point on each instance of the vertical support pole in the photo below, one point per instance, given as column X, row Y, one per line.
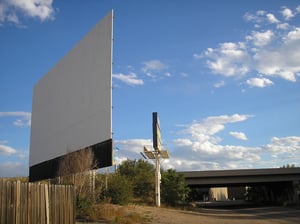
column 106, row 176
column 157, row 179
column 295, row 196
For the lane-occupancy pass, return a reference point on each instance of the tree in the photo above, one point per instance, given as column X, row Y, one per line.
column 141, row 175
column 289, row 166
column 173, row 189
column 119, row 189
column 74, row 169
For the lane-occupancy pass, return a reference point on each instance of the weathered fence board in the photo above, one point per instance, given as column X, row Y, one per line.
column 34, row 203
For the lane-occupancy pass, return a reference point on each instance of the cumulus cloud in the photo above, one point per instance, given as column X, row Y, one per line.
column 239, row 135
column 289, row 144
column 130, row 148
column 268, row 52
column 214, row 124
column 199, row 148
column 281, row 61
column 23, row 118
column 259, row 82
column 287, row 13
column 271, row 18
column 229, row 59
column 260, row 39
column 130, row 79
column 12, row 10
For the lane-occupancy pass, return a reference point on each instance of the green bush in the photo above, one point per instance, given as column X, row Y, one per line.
column 84, row 208
column 173, row 189
column 119, row 190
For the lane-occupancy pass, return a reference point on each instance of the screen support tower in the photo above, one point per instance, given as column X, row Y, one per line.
column 156, row 155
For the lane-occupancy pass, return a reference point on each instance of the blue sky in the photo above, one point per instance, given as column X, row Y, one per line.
column 222, row 75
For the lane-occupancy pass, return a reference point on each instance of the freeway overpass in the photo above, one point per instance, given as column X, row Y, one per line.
column 245, row 177
column 217, row 178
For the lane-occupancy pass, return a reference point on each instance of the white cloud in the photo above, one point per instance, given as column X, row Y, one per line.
column 219, row 84
column 281, row 61
column 285, row 144
column 130, row 148
column 198, row 148
column 198, row 56
column 261, row 17
column 229, row 59
column 12, row 10
column 239, row 135
column 293, row 35
column 271, row 18
column 287, row 13
column 269, row 52
column 260, row 39
column 259, row 82
column 257, row 17
column 7, row 150
column 283, row 26
column 203, row 132
column 24, row 118
column 130, row 79
column 153, row 65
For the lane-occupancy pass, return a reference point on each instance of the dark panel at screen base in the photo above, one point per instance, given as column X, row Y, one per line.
column 48, row 169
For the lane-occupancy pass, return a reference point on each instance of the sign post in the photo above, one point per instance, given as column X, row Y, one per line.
column 156, row 154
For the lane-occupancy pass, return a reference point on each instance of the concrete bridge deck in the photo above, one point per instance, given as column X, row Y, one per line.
column 241, row 177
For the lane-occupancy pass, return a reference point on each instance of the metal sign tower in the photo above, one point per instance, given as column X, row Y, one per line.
column 156, row 155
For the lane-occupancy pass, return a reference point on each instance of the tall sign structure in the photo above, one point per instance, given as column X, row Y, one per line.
column 156, row 154
column 72, row 105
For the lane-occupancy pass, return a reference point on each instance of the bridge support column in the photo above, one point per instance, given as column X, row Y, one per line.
column 296, row 192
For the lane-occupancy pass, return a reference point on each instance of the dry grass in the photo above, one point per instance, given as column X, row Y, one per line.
column 116, row 214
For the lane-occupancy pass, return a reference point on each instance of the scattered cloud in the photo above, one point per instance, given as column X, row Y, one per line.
column 260, row 39
column 212, row 125
column 130, row 79
column 155, row 68
column 287, row 13
column 289, row 144
column 153, row 65
column 239, row 135
column 219, row 84
column 23, row 120
column 197, row 56
column 269, row 52
column 200, row 149
column 271, row 18
column 12, row 11
column 259, row 82
column 130, row 148
column 6, row 150
column 229, row 59
column 198, row 145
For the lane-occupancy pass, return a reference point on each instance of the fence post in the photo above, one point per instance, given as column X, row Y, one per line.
column 47, row 204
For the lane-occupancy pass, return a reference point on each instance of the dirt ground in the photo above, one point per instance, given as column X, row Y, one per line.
column 265, row 215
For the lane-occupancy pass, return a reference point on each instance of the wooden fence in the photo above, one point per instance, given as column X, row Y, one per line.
column 34, row 203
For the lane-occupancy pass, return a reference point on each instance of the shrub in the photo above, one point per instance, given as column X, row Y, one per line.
column 119, row 190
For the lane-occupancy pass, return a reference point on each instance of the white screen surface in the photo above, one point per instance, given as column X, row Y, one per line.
column 72, row 103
